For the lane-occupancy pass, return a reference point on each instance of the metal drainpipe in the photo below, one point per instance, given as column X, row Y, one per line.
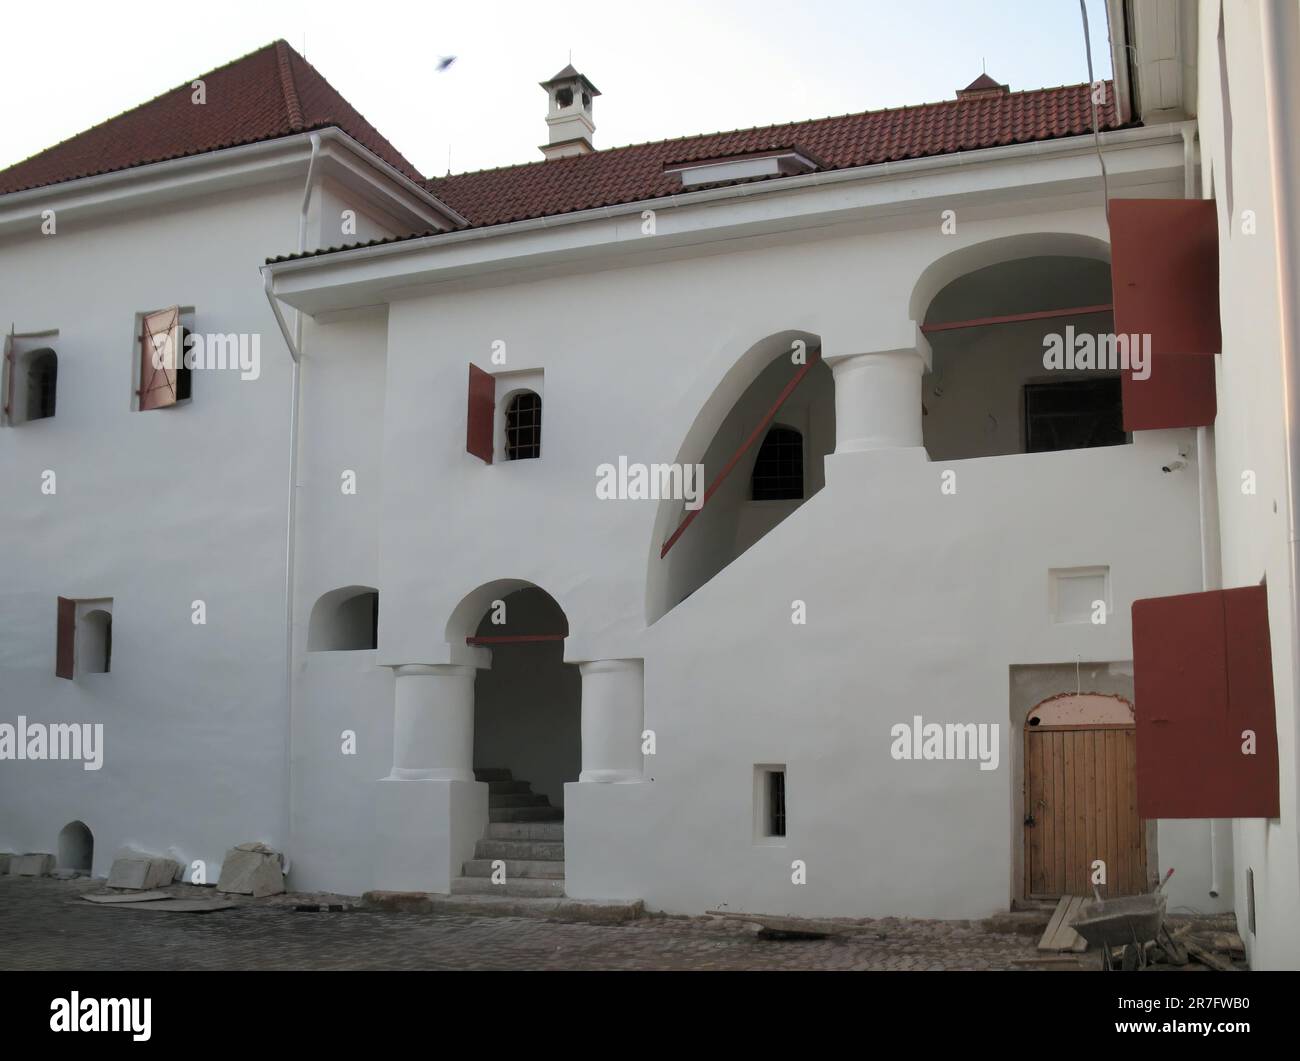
column 1279, row 32
column 295, row 354
column 1207, row 487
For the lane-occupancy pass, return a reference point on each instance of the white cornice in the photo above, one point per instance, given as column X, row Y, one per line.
column 233, row 167
column 688, row 223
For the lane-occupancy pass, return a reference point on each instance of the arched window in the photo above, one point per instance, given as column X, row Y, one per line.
column 524, row 426
column 778, row 469
column 95, row 643
column 345, row 620
column 42, row 377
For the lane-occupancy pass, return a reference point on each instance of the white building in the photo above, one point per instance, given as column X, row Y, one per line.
column 709, row 710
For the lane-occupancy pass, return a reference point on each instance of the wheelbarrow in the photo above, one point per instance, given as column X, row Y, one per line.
column 1131, row 921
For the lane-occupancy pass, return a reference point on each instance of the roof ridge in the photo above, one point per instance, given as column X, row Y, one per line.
column 968, row 101
column 287, row 86
column 188, row 83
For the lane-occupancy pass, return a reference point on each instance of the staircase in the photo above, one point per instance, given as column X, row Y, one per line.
column 526, row 833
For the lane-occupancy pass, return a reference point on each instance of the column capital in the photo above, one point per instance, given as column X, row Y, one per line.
column 432, row 670
column 903, row 340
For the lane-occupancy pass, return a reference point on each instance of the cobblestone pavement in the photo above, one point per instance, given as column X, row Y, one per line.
column 44, row 924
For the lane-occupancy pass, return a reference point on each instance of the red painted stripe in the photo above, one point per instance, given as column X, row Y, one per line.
column 1012, row 318
column 813, row 358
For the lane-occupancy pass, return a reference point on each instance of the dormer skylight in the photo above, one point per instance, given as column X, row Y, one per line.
column 782, row 162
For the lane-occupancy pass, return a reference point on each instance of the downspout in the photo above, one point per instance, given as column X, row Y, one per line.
column 1207, row 489
column 292, row 340
column 1279, row 32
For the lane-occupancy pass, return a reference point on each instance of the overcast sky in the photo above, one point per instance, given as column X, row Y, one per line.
column 665, row 68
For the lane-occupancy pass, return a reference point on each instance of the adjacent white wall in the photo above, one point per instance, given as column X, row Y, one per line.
column 1249, row 438
column 155, row 509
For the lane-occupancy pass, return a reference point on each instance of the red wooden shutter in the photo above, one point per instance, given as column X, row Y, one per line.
column 1164, row 273
column 64, row 660
column 160, row 340
column 1179, row 392
column 1203, row 673
column 482, row 411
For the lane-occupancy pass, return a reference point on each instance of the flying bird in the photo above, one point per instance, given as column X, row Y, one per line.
column 445, row 62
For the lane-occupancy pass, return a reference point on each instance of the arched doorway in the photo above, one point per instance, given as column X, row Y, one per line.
column 528, row 703
column 76, row 847
column 1080, row 798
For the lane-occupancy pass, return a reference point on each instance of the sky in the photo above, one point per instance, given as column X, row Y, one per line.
column 665, row 69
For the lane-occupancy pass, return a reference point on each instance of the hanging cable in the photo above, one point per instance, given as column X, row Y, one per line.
column 1092, row 83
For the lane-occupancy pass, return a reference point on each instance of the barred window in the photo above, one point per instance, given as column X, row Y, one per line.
column 524, row 427
column 778, row 469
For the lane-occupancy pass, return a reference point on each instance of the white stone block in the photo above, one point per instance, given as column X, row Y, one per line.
column 32, row 865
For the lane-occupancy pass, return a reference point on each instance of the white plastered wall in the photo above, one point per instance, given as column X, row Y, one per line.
column 1249, row 438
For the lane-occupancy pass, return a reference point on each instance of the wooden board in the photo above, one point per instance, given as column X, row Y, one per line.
column 1079, row 788
column 1059, row 935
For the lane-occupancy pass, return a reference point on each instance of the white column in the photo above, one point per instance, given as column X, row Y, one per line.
column 433, row 722
column 878, row 398
column 613, row 714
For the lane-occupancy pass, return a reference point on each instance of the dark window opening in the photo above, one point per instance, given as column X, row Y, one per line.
column 182, row 372
column 564, row 97
column 1074, row 414
column 778, row 469
column 776, row 803
column 524, row 427
column 42, row 380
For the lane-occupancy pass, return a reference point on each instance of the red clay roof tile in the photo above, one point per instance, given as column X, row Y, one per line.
column 269, row 93
column 630, row 174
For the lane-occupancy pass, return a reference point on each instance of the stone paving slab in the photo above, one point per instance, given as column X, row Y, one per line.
column 45, row 925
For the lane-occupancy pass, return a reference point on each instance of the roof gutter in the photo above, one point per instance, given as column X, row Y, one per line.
column 294, row 344
column 883, row 171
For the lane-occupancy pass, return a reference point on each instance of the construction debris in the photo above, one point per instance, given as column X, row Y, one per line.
column 252, row 869
column 35, row 864
column 140, row 872
column 1059, row 935
column 128, row 897
column 779, row 926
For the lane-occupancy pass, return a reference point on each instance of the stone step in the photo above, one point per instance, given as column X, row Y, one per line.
column 520, row 886
column 518, row 799
column 500, row 787
column 516, row 868
column 525, row 814
column 546, row 831
column 511, row 849
column 492, row 773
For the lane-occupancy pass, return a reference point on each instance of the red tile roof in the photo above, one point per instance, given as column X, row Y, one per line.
column 269, row 93
column 630, row 174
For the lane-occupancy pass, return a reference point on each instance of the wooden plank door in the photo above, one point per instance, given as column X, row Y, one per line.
column 1081, row 805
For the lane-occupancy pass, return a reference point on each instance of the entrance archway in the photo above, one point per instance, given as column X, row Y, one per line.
column 528, row 703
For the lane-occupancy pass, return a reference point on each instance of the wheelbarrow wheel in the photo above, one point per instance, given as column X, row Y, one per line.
column 1132, row 957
